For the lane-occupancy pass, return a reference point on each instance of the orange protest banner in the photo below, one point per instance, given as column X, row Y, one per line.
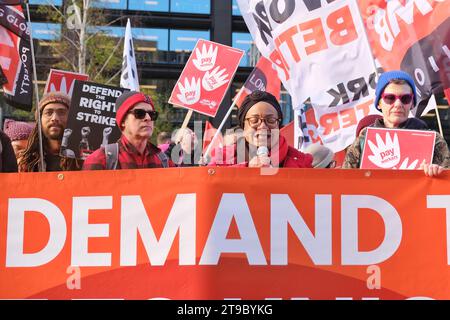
column 217, row 233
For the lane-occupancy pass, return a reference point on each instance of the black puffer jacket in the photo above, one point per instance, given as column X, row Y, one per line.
column 8, row 162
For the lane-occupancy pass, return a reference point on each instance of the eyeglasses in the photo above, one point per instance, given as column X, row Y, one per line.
column 255, row 122
column 390, row 98
column 48, row 113
column 140, row 114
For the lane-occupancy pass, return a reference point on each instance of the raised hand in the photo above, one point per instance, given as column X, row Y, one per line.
column 85, row 131
column 385, row 154
column 106, row 132
column 215, row 79
column 67, row 133
column 206, row 58
column 190, row 92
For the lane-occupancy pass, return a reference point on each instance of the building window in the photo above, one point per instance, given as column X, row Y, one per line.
column 46, row 31
column 47, row 2
column 116, row 32
column 182, row 42
column 149, row 5
column 110, row 4
column 151, row 45
column 236, row 11
column 286, row 107
column 245, row 42
column 191, row 6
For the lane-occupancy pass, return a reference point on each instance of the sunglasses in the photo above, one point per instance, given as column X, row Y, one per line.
column 140, row 114
column 390, row 98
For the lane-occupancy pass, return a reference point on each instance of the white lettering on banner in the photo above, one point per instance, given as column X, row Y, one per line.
column 349, row 226
column 134, row 220
column 94, row 118
column 82, row 231
column 284, row 213
column 15, row 256
column 101, row 91
column 233, row 206
column 395, row 11
column 442, row 202
column 97, row 104
column 13, row 19
column 26, row 81
column 181, row 220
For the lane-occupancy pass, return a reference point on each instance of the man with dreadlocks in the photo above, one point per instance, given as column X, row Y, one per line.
column 54, row 109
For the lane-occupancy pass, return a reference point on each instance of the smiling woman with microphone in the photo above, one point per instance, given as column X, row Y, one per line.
column 260, row 144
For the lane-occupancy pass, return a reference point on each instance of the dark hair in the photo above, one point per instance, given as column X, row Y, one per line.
column 255, row 97
column 30, row 157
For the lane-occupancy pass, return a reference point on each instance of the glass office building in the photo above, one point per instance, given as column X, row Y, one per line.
column 164, row 32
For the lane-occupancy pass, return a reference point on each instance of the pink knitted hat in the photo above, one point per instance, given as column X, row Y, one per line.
column 17, row 130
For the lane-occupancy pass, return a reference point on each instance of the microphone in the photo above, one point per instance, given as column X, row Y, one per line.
column 263, row 152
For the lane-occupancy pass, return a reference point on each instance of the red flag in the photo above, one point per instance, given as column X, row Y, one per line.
column 288, row 133
column 209, row 133
column 15, row 57
column 447, row 94
column 418, row 45
column 263, row 77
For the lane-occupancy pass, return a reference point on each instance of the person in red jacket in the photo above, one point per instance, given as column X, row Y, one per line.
column 135, row 117
column 260, row 143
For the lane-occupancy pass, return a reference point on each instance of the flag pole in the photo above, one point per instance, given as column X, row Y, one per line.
column 447, row 96
column 36, row 90
column 439, row 120
column 187, row 118
column 208, row 150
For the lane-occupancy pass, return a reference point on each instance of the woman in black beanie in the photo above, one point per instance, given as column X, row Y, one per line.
column 260, row 119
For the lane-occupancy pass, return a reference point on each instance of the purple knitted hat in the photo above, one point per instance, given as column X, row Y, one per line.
column 17, row 130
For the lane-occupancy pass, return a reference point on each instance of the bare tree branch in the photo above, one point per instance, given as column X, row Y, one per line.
column 109, row 58
column 106, row 25
column 74, row 68
column 114, row 76
column 56, row 9
column 74, row 44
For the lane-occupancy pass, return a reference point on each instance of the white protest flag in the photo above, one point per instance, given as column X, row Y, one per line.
column 432, row 105
column 129, row 78
column 326, row 63
column 255, row 17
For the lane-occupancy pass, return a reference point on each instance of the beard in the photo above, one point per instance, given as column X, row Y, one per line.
column 52, row 134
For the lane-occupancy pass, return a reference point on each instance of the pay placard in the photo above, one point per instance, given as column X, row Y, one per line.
column 397, row 148
column 206, row 77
